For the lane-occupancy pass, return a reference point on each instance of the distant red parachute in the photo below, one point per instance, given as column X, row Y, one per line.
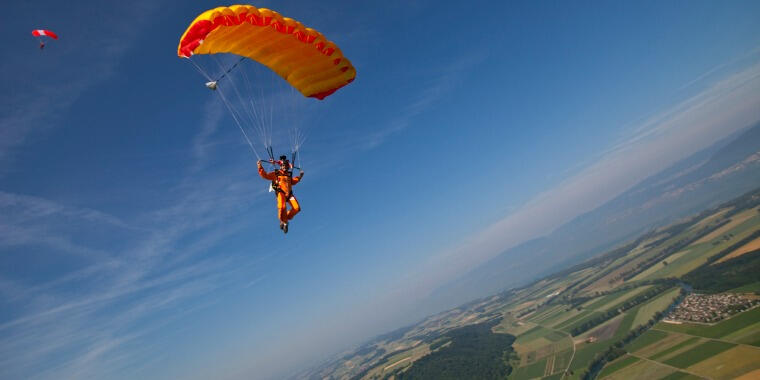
column 39, row 33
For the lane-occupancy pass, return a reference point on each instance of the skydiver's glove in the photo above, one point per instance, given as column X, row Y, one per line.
column 301, row 175
column 258, row 163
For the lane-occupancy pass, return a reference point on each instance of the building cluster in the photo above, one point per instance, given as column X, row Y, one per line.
column 711, row 308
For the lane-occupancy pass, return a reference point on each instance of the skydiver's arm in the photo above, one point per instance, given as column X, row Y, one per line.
column 297, row 179
column 270, row 176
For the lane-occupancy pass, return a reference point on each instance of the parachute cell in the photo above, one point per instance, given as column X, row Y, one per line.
column 302, row 56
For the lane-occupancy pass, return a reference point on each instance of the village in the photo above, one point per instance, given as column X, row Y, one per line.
column 710, row 308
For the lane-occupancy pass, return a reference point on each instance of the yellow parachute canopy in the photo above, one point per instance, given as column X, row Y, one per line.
column 302, row 56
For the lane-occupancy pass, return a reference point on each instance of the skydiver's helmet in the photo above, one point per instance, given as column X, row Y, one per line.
column 284, row 164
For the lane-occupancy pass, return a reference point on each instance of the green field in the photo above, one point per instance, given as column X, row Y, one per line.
column 718, row 330
column 599, row 303
column 540, row 343
column 661, row 269
column 698, row 353
column 627, row 323
column 617, row 365
column 578, row 322
column 530, row 371
column 681, row 376
column 512, row 327
column 585, row 353
column 750, row 288
column 562, row 359
column 748, row 335
column 560, row 316
column 647, row 311
column 647, row 338
column 535, row 337
column 541, row 315
column 686, row 343
column 682, row 263
column 642, row 369
column 582, row 315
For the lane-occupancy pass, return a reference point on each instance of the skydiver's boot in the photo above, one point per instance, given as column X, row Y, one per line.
column 282, row 225
column 285, row 227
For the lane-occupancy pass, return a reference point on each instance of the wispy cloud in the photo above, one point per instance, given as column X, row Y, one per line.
column 88, row 321
column 435, row 84
column 83, row 319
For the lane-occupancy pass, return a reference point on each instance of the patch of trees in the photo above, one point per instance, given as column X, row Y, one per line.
column 616, row 350
column 598, row 320
column 474, row 353
column 727, row 275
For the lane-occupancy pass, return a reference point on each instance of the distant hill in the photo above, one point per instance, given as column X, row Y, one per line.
column 716, row 174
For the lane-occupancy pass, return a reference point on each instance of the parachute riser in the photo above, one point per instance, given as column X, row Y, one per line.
column 278, row 163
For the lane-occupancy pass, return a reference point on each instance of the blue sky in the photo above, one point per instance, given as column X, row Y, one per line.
column 136, row 239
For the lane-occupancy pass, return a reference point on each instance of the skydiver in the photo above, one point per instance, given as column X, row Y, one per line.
column 282, row 183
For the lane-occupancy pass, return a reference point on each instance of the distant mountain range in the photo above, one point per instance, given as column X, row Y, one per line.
column 714, row 175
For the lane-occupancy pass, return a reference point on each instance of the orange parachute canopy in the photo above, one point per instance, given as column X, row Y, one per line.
column 302, row 56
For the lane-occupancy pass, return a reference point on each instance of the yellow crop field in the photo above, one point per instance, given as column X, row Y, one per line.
column 747, row 248
column 729, row 364
column 735, row 221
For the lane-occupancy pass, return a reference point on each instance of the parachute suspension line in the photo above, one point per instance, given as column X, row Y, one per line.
column 234, row 117
column 261, row 124
column 258, row 122
column 255, row 110
column 227, row 104
column 237, row 92
column 200, row 70
column 296, row 141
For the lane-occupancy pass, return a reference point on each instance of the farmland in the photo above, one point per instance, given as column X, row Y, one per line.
column 602, row 318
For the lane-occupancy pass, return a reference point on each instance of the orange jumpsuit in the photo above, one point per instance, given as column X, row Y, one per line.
column 285, row 193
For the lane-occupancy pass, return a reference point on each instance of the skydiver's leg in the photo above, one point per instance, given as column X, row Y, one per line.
column 295, row 207
column 282, row 208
